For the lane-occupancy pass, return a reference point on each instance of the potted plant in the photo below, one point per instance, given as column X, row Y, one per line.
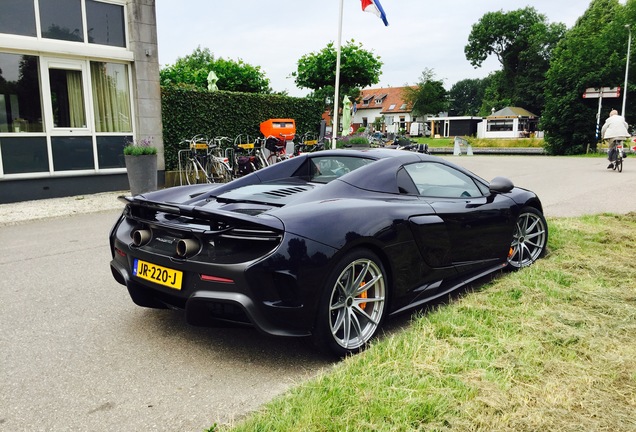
column 141, row 165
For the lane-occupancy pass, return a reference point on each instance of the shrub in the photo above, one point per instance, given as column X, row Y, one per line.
column 143, row 147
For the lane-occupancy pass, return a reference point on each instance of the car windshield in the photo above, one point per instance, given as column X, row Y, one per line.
column 323, row 169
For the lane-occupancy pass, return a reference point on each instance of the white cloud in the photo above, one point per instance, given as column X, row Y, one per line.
column 274, row 35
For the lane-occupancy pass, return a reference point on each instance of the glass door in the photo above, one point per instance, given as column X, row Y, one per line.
column 65, row 90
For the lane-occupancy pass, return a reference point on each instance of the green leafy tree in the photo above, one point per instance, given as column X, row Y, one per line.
column 466, row 97
column 237, row 76
column 523, row 41
column 495, row 94
column 428, row 96
column 359, row 68
column 592, row 54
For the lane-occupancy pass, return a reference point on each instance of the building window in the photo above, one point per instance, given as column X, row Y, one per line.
column 72, row 153
column 105, row 23
column 24, row 154
column 111, row 97
column 110, row 151
column 61, row 19
column 67, row 98
column 20, row 104
column 17, row 17
column 500, row 125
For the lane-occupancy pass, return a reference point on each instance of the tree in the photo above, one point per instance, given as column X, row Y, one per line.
column 428, row 96
column 466, row 96
column 359, row 68
column 592, row 54
column 192, row 70
column 523, row 41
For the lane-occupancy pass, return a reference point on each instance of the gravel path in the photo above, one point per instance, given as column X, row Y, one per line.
column 15, row 213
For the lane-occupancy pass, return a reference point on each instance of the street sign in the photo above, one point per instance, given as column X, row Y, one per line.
column 606, row 92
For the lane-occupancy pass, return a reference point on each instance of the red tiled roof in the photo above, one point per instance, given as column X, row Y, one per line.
column 392, row 100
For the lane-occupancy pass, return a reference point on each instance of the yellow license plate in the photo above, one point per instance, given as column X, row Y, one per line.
column 157, row 274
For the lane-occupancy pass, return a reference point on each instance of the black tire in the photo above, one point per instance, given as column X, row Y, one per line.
column 353, row 304
column 530, row 238
column 619, row 165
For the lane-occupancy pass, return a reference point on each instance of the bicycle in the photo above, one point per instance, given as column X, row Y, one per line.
column 218, row 163
column 308, row 143
column 244, row 157
column 196, row 160
column 617, row 165
column 276, row 148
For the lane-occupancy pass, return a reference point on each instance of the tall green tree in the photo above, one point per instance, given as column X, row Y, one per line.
column 466, row 97
column 428, row 96
column 522, row 40
column 359, row 68
column 192, row 71
column 592, row 54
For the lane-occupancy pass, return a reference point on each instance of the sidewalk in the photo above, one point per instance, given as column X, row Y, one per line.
column 14, row 213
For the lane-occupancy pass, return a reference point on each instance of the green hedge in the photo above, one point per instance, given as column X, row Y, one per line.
column 186, row 113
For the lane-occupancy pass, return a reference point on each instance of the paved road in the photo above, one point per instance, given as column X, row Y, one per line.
column 567, row 186
column 77, row 355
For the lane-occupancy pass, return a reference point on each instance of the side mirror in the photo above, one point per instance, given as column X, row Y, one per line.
column 501, row 185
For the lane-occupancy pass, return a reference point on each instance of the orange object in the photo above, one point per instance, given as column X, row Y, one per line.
column 279, row 128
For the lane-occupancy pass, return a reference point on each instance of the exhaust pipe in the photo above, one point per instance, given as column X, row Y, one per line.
column 187, row 248
column 141, row 237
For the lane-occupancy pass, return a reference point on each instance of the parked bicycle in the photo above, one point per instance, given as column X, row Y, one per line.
column 219, row 165
column 193, row 161
column 308, row 143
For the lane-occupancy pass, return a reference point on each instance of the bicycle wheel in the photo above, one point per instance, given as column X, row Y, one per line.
column 619, row 164
column 194, row 174
column 218, row 171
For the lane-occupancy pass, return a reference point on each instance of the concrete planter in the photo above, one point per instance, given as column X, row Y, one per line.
column 142, row 173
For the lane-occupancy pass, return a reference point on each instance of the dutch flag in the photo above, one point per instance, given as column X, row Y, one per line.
column 374, row 7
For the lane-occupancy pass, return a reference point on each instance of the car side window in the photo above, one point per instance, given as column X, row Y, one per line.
column 438, row 180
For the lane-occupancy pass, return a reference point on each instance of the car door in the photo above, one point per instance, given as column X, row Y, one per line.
column 477, row 224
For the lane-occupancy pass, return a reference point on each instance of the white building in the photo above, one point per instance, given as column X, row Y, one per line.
column 79, row 79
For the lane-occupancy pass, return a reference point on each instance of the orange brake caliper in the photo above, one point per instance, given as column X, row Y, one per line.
column 363, row 295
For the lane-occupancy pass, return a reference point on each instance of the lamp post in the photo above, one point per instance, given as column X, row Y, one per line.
column 629, row 46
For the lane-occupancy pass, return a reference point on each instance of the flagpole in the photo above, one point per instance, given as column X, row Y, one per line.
column 334, row 131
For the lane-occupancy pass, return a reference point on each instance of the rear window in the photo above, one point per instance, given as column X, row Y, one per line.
column 323, row 169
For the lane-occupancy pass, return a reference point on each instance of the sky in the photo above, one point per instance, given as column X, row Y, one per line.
column 274, row 34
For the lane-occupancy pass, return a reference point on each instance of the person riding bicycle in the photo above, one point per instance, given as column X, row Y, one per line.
column 615, row 132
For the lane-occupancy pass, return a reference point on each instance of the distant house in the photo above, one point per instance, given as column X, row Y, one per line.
column 509, row 122
column 447, row 126
column 384, row 110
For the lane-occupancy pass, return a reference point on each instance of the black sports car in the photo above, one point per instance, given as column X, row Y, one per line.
column 326, row 244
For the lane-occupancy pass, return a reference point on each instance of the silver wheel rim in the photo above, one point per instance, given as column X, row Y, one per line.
column 529, row 240
column 356, row 304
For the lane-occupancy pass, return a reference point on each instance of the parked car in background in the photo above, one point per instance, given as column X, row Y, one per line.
column 326, row 244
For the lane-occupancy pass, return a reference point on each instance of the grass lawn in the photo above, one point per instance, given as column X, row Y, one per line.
column 548, row 348
column 482, row 142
